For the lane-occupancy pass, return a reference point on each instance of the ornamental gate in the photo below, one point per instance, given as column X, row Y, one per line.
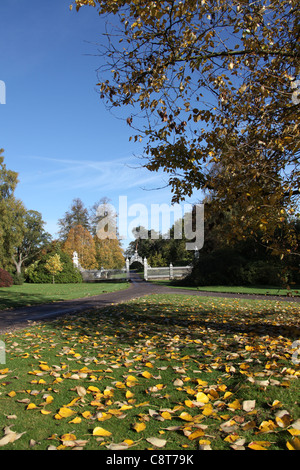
column 168, row 272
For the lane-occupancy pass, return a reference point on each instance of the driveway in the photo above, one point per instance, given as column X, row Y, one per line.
column 23, row 317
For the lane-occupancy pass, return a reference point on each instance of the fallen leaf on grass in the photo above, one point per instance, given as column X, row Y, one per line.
column 138, row 427
column 259, row 445
column 196, row 434
column 293, row 444
column 64, row 413
column 9, row 436
column 120, row 446
column 155, row 441
column 98, row 431
column 249, row 405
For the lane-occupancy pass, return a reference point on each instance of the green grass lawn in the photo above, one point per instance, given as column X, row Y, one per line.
column 262, row 290
column 34, row 294
column 161, row 372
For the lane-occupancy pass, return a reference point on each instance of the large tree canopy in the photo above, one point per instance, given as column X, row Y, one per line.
column 211, row 86
column 22, row 233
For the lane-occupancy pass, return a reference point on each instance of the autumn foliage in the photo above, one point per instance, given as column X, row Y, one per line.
column 211, row 88
column 80, row 240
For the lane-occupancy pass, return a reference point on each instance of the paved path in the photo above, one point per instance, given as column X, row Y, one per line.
column 23, row 317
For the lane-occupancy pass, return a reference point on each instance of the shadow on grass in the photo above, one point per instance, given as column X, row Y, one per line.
column 132, row 321
column 21, row 299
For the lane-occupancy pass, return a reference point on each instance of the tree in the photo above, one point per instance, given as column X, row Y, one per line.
column 77, row 215
column 12, row 212
column 22, row 232
column 214, row 83
column 54, row 265
column 79, row 239
column 33, row 238
column 37, row 272
column 109, row 254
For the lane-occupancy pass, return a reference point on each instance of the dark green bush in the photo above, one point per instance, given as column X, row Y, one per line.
column 18, row 279
column 37, row 273
column 228, row 267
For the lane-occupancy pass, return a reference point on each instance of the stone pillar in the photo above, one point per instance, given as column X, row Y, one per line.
column 145, row 269
column 171, row 271
column 75, row 259
column 127, row 269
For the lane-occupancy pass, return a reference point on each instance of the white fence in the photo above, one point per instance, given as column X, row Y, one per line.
column 94, row 275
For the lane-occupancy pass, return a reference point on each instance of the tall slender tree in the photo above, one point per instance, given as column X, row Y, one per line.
column 80, row 240
column 76, row 215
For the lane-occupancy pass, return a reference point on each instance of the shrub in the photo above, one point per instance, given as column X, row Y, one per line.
column 18, row 279
column 6, row 279
column 37, row 272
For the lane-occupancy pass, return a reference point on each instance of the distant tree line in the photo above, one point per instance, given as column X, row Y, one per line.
column 26, row 248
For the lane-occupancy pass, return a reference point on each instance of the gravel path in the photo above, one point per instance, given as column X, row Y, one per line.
column 11, row 320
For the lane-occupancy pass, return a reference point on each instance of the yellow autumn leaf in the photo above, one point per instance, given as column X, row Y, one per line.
column 138, row 427
column 166, row 415
column 12, row 394
column 207, row 410
column 231, row 438
column 31, row 406
column 256, row 446
column 267, row 426
column 45, row 412
column 91, row 388
column 146, row 374
column 189, row 403
column 196, row 434
column 86, row 414
column 294, row 432
column 186, row 416
column 65, row 412
column 131, row 378
column 293, row 444
column 235, row 405
column 129, row 442
column 75, row 400
column 125, row 407
column 129, row 394
column 68, row 437
column 104, row 416
column 98, row 431
column 201, row 397
column 76, row 420
column 148, row 364
column 120, row 385
column 201, row 382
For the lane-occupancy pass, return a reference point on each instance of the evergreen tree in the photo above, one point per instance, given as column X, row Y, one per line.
column 77, row 215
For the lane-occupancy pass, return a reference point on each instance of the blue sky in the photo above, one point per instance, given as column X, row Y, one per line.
column 55, row 131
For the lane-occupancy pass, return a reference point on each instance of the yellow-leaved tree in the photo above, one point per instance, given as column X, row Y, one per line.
column 80, row 240
column 54, row 265
column 109, row 253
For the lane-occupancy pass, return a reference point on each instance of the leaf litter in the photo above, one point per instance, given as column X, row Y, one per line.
column 165, row 372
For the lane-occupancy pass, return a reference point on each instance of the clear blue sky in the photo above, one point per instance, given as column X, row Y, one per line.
column 54, row 129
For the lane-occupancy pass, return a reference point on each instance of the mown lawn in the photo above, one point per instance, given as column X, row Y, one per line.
column 260, row 290
column 34, row 294
column 162, row 372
